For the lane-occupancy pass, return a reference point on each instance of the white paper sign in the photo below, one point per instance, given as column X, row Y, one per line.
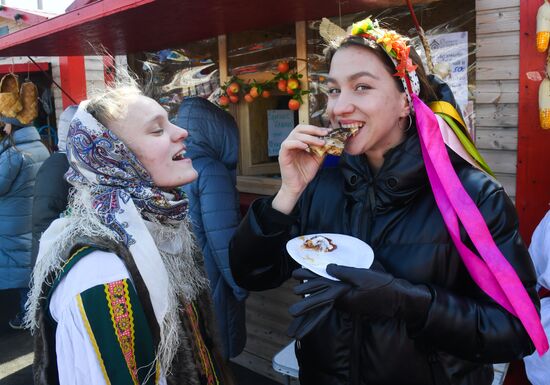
column 279, row 125
column 450, row 59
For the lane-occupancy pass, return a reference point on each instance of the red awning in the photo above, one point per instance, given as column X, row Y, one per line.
column 125, row 26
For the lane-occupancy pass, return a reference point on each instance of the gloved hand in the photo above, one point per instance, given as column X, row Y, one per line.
column 376, row 293
column 313, row 309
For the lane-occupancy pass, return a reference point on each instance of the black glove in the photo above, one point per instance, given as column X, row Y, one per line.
column 313, row 309
column 376, row 293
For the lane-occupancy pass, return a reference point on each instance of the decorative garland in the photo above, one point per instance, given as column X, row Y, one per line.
column 286, row 81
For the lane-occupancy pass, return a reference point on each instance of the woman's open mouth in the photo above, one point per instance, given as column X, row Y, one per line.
column 180, row 155
column 355, row 126
column 351, row 129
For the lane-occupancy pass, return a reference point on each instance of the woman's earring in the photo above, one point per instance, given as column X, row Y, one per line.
column 410, row 123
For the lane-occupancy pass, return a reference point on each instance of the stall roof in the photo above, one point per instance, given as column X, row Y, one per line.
column 126, row 26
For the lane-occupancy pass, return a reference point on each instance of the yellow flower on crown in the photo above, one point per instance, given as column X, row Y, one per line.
column 391, row 40
column 364, row 26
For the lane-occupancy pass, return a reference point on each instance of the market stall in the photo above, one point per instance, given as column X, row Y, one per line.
column 185, row 49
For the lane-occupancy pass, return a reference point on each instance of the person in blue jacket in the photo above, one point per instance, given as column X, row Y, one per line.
column 21, row 155
column 213, row 146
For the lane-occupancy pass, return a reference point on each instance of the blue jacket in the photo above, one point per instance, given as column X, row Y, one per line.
column 213, row 145
column 18, row 167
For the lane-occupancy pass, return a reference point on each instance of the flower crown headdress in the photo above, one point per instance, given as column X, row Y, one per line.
column 395, row 45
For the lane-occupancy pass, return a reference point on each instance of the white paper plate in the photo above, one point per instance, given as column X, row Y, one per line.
column 350, row 251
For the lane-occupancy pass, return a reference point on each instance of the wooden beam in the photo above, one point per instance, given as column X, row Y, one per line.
column 222, row 57
column 301, row 68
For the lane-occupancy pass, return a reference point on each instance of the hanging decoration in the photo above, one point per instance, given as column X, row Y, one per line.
column 447, row 111
column 543, row 36
column 286, row 81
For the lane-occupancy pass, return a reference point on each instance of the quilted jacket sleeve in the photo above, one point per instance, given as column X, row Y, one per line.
column 474, row 326
column 219, row 205
column 10, row 164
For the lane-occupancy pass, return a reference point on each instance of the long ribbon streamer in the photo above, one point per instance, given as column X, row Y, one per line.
column 492, row 273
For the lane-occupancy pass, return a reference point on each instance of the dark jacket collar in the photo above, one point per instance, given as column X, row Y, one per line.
column 401, row 177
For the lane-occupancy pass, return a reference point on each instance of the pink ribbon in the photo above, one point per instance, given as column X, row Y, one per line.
column 492, row 272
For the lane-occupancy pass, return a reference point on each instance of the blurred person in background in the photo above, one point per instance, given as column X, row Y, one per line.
column 213, row 145
column 21, row 155
column 51, row 191
column 537, row 367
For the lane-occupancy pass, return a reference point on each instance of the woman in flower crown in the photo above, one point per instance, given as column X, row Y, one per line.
column 431, row 309
column 119, row 293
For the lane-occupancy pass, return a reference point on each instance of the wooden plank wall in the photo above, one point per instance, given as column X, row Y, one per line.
column 497, row 87
column 95, row 71
column 11, row 24
column 95, row 79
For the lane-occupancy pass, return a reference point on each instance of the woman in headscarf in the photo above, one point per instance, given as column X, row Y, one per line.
column 119, row 293
column 429, row 310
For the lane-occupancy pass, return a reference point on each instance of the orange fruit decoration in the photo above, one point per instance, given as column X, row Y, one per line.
column 293, row 84
column 223, row 101
column 281, row 85
column 234, row 88
column 282, row 67
column 293, row 104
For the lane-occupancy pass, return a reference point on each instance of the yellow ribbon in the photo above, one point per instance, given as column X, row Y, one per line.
column 455, row 121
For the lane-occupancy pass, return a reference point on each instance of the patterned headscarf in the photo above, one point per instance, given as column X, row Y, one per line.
column 102, row 162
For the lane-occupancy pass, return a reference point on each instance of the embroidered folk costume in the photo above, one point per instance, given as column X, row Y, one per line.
column 119, row 294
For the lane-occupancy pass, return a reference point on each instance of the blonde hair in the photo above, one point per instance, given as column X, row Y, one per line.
column 111, row 104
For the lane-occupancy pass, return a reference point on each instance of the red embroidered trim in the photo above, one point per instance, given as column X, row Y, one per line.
column 205, row 358
column 123, row 322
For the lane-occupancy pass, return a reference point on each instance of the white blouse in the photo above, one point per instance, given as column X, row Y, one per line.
column 77, row 360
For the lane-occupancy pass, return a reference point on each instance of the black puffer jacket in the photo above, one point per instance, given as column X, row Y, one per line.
column 395, row 212
column 51, row 194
